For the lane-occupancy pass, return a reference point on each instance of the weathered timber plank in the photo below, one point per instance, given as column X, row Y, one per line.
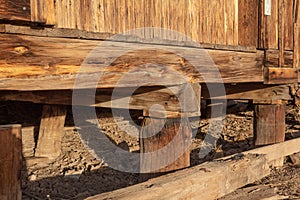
column 51, row 131
column 164, row 145
column 209, row 180
column 272, row 58
column 297, row 35
column 15, row 10
column 143, row 98
column 277, row 151
column 38, row 63
column 10, row 162
column 82, row 34
column 269, row 126
column 250, row 91
column 125, row 98
column 276, row 75
column 43, row 11
column 248, row 23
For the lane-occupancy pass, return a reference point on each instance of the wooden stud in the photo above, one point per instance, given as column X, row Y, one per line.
column 297, row 35
column 269, row 126
column 168, row 142
column 10, row 162
column 51, row 131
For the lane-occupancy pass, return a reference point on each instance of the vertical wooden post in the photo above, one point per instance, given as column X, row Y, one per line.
column 10, row 162
column 269, row 125
column 172, row 134
column 51, row 131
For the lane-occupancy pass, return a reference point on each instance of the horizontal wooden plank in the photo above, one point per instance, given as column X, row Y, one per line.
column 210, row 180
column 15, row 10
column 249, row 91
column 82, row 34
column 207, row 181
column 144, row 98
column 40, row 63
column 281, row 75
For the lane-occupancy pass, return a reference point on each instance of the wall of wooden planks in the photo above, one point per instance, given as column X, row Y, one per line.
column 206, row 21
column 214, row 22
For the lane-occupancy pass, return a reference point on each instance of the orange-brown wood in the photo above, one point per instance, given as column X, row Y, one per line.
column 15, row 10
column 172, row 135
column 10, row 162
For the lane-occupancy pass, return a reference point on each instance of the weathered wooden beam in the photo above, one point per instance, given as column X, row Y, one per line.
column 145, row 97
column 249, row 91
column 164, row 145
column 15, row 10
column 125, row 98
column 51, row 132
column 39, row 63
column 272, row 58
column 276, row 75
column 297, row 35
column 10, row 162
column 207, row 181
column 269, row 126
column 210, row 180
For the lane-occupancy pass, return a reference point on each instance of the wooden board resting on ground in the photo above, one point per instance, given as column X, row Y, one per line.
column 39, row 63
column 210, row 180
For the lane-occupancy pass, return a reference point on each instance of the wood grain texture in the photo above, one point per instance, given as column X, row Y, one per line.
column 269, row 124
column 281, row 75
column 126, row 98
column 248, row 23
column 43, row 11
column 214, row 22
column 164, row 145
column 211, row 180
column 297, row 34
column 10, row 162
column 15, row 10
column 39, row 63
column 189, row 183
column 51, row 131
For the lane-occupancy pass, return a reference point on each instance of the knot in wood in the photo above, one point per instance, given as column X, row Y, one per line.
column 21, row 50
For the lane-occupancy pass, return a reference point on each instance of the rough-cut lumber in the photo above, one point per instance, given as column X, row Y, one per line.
column 82, row 34
column 297, row 34
column 248, row 23
column 272, row 58
column 269, row 126
column 209, row 180
column 275, row 75
column 277, row 151
column 10, row 162
column 38, row 63
column 143, row 98
column 249, row 91
column 51, row 131
column 15, row 10
column 164, row 145
column 43, row 11
column 125, row 98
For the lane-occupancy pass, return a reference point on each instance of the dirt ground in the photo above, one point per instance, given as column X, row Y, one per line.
column 76, row 174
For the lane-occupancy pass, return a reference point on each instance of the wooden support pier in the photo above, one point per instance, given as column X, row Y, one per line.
column 10, row 162
column 241, row 49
